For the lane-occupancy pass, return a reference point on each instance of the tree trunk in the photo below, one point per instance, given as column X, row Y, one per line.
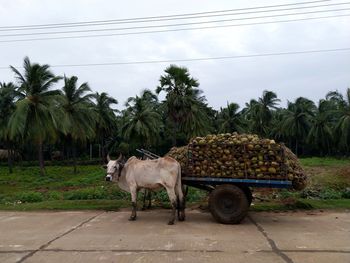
column 9, row 157
column 74, row 153
column 174, row 133
column 102, row 151
column 41, row 159
column 90, row 151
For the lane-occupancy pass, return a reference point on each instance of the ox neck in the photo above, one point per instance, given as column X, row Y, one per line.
column 122, row 181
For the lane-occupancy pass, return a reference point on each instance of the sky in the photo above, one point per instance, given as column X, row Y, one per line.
column 224, row 80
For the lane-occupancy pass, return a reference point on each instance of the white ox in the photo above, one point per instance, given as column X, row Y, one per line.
column 150, row 174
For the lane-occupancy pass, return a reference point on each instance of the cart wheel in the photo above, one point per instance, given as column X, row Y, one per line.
column 248, row 194
column 228, row 204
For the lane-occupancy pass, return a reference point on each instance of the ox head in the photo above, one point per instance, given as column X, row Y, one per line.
column 114, row 168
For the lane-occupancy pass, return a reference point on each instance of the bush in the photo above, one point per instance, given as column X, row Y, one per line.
column 285, row 194
column 310, row 193
column 346, row 193
column 30, row 197
column 195, row 194
column 86, row 194
column 330, row 194
column 54, row 196
column 115, row 193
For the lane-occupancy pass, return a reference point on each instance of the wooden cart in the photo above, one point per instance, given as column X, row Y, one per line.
column 229, row 198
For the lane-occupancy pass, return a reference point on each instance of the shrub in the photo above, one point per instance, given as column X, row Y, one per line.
column 30, row 197
column 346, row 193
column 86, row 194
column 310, row 193
column 330, row 194
column 54, row 196
column 195, row 194
column 285, row 194
column 115, row 193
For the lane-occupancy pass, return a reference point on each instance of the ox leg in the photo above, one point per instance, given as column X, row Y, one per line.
column 149, row 196
column 180, row 202
column 145, row 192
column 172, row 198
column 133, row 192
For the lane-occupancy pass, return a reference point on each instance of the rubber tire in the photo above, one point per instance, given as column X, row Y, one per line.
column 248, row 194
column 228, row 204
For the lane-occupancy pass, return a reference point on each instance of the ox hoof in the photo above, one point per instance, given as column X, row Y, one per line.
column 132, row 218
column 170, row 222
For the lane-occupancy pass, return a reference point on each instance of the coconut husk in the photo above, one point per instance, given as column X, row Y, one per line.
column 239, row 156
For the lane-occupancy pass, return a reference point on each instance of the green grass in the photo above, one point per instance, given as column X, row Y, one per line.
column 324, row 161
column 61, row 189
column 115, row 205
column 302, row 204
column 108, row 205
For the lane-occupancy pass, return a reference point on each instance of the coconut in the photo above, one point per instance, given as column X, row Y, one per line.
column 239, row 156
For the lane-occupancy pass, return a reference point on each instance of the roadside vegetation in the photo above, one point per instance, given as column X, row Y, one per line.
column 328, row 187
column 46, row 117
column 62, row 189
column 51, row 125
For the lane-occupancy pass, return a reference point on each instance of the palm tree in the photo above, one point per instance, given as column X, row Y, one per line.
column 259, row 113
column 320, row 135
column 8, row 95
column 142, row 122
column 342, row 110
column 230, row 119
column 297, row 120
column 250, row 115
column 183, row 99
column 34, row 116
column 196, row 121
column 105, row 119
column 276, row 131
column 78, row 115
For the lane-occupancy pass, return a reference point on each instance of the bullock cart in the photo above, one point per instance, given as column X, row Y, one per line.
column 229, row 198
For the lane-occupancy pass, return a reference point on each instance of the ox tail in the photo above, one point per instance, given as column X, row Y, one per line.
column 180, row 196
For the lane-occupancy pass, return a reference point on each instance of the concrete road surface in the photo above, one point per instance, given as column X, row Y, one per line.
column 94, row 236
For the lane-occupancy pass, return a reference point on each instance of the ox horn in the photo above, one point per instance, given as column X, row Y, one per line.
column 108, row 158
column 119, row 158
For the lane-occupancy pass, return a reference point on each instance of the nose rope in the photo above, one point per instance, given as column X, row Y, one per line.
column 120, row 170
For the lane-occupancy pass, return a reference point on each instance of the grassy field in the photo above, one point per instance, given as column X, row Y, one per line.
column 61, row 189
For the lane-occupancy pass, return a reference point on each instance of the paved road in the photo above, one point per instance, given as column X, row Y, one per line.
column 96, row 236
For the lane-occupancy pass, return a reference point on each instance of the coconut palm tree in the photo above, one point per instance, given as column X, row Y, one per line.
column 250, row 114
column 78, row 115
column 297, row 121
column 105, row 119
column 8, row 96
column 183, row 99
column 320, row 134
column 34, row 116
column 142, row 123
column 230, row 119
column 259, row 113
column 342, row 110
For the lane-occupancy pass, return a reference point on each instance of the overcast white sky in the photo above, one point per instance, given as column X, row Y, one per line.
column 233, row 80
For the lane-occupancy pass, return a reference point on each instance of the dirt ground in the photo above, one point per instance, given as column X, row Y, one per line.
column 95, row 236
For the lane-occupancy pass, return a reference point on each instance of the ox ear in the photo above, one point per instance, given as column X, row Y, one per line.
column 108, row 158
column 119, row 158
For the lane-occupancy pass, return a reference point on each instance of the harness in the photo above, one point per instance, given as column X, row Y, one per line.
column 120, row 170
